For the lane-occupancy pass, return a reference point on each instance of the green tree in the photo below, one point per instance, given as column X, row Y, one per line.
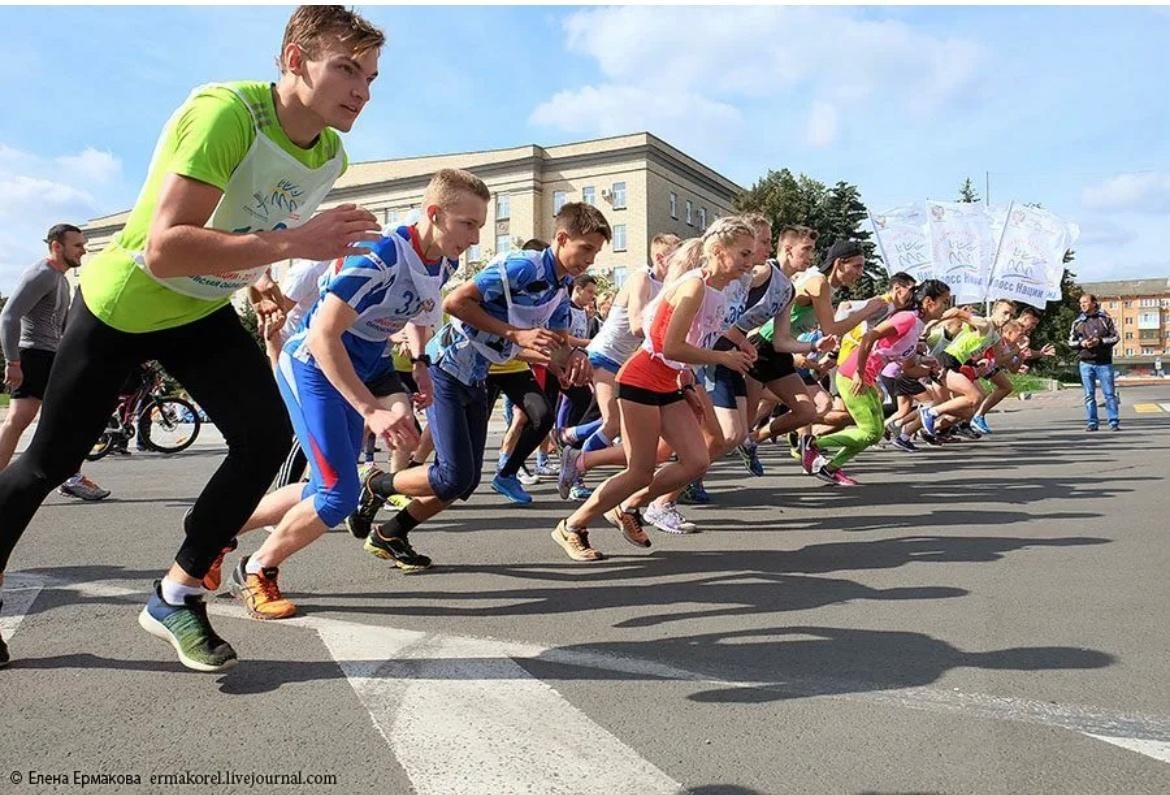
column 967, row 192
column 834, row 212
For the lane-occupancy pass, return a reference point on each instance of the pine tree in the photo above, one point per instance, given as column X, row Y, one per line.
column 967, row 193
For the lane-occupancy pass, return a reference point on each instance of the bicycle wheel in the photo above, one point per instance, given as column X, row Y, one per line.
column 162, row 424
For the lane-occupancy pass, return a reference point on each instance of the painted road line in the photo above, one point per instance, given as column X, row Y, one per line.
column 1147, row 408
column 18, row 592
column 1165, row 407
column 439, row 699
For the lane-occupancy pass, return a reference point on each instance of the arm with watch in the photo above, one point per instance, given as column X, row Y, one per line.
column 417, row 338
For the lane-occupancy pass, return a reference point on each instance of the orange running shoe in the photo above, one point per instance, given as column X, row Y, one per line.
column 214, row 576
column 260, row 593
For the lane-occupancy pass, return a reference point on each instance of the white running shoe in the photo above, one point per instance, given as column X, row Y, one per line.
column 668, row 519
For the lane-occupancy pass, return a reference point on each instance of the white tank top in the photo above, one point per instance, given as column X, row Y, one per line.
column 615, row 341
column 705, row 329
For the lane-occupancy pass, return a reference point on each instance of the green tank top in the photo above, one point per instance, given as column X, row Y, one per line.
column 970, row 342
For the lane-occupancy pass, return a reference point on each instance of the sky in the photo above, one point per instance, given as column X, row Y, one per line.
column 1063, row 106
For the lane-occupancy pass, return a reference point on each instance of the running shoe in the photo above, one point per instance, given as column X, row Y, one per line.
column 525, row 477
column 546, row 469
column 1113, row 426
column 575, row 543
column 928, row 418
column 967, row 432
column 360, row 521
column 823, row 473
column 83, row 488
column 749, row 454
column 843, row 479
column 398, row 501
column 188, row 631
column 809, row 454
column 700, row 494
column 1090, row 428
column 930, row 438
column 398, row 551
column 902, row 443
column 512, row 489
column 630, row 523
column 567, row 477
column 214, row 576
column 260, row 593
column 580, row 491
column 668, row 519
column 795, row 445
column 980, row 424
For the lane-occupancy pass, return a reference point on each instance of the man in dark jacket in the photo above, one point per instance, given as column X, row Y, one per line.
column 1093, row 337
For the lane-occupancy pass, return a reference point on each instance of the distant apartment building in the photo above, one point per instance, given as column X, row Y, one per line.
column 1141, row 310
column 642, row 185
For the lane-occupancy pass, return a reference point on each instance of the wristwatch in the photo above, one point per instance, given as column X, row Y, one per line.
column 424, row 359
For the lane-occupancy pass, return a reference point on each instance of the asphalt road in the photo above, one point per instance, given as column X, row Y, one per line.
column 985, row 617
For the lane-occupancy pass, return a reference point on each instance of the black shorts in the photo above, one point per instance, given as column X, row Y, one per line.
column 902, row 386
column 729, row 385
column 35, row 364
column 385, row 384
column 647, row 397
column 948, row 362
column 407, row 379
column 770, row 364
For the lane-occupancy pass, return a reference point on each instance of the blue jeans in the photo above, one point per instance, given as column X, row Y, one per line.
column 1090, row 375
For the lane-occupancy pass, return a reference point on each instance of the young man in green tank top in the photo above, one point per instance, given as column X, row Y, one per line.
column 232, row 187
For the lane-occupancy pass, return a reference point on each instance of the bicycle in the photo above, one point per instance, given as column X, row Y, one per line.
column 163, row 423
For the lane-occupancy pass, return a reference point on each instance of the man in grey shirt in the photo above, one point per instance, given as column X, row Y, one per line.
column 31, row 326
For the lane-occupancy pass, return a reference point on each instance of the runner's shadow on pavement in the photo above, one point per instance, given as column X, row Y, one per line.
column 797, row 662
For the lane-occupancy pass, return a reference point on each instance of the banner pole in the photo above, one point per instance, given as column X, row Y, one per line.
column 995, row 262
column 878, row 237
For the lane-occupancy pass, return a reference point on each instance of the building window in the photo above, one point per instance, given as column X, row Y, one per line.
column 503, row 243
column 702, row 218
column 1129, row 335
column 619, row 237
column 619, row 276
column 503, row 206
column 473, row 254
column 1149, row 320
column 690, row 213
column 1111, row 305
column 1148, row 302
column 619, row 195
column 559, row 200
column 674, row 206
column 1129, row 351
column 588, row 195
column 1129, row 321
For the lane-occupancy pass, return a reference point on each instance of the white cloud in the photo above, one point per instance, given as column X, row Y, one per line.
column 1145, row 192
column 37, row 191
column 822, row 125
column 707, row 57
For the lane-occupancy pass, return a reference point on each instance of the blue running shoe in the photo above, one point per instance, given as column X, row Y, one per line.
column 980, row 424
column 750, row 455
column 580, row 491
column 511, row 488
column 695, row 494
column 187, row 629
column 928, row 418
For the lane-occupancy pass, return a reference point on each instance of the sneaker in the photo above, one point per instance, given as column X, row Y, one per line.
column 188, row 631
column 667, row 519
column 580, row 491
column 688, row 496
column 809, row 454
column 1090, row 428
column 843, row 479
column 902, row 443
column 511, row 488
column 398, row 501
column 567, row 477
column 525, row 477
column 822, row 472
column 1114, row 427
column 260, row 593
column 546, row 469
column 749, row 454
column 575, row 543
column 214, row 576
column 796, row 444
column 699, row 493
column 398, row 551
column 980, row 424
column 967, row 431
column 630, row 523
column 360, row 521
column 928, row 418
column 83, row 488
column 930, row 438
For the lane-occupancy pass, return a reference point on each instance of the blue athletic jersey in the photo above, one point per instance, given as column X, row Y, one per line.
column 538, row 299
column 388, row 287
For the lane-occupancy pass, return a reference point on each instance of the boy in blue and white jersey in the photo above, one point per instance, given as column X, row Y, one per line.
column 516, row 304
column 326, row 368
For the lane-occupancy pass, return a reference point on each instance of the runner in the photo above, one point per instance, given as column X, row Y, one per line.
column 217, row 208
column 656, row 388
column 977, row 335
column 31, row 326
column 890, row 342
column 365, row 300
column 520, row 303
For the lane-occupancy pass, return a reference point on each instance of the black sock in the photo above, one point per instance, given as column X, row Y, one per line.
column 398, row 525
column 382, row 484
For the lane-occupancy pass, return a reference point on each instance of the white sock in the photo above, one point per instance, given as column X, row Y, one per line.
column 174, row 593
column 253, row 566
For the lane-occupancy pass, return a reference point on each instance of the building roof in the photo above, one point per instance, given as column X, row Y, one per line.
column 1131, row 287
column 379, row 172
